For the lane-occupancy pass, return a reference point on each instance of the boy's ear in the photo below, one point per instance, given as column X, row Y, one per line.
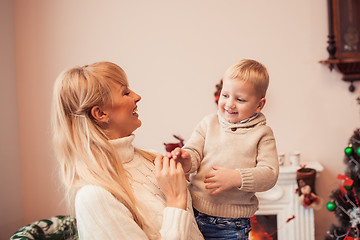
column 99, row 115
column 261, row 104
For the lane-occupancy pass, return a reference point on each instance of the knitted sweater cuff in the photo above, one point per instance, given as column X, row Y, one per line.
column 247, row 180
column 175, row 224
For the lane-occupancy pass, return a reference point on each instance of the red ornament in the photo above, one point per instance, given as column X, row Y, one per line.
column 347, row 183
column 171, row 146
column 218, row 91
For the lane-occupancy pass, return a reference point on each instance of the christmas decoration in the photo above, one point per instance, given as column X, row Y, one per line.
column 358, row 99
column 347, row 183
column 218, row 91
column 345, row 200
column 331, row 206
column 306, row 188
column 349, row 151
column 171, row 146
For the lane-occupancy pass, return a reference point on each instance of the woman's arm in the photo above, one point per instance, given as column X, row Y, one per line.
column 100, row 215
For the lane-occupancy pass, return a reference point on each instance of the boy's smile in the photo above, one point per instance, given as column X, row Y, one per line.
column 230, row 112
column 239, row 100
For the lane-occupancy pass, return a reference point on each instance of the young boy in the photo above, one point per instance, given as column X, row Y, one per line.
column 233, row 154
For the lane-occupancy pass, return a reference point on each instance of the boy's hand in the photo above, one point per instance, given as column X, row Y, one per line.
column 222, row 179
column 181, row 156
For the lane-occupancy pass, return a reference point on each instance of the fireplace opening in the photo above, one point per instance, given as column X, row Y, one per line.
column 263, row 227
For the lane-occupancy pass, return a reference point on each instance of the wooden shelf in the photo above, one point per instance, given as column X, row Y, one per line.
column 350, row 68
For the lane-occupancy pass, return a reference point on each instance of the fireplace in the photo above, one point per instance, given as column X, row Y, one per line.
column 280, row 208
column 264, row 227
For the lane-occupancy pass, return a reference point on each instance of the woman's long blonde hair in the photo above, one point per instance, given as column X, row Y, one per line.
column 81, row 143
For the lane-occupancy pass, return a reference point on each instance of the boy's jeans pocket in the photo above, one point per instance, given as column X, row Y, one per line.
column 223, row 228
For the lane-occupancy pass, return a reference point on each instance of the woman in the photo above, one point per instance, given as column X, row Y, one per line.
column 121, row 192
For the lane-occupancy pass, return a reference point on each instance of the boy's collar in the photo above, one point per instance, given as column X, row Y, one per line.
column 222, row 119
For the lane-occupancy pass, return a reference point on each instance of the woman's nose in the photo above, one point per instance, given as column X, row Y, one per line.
column 137, row 97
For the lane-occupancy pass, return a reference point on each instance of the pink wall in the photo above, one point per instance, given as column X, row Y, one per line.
column 11, row 202
column 174, row 53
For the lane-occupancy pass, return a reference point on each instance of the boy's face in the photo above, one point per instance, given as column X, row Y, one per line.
column 239, row 100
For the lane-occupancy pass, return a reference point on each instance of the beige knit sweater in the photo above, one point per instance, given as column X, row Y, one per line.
column 249, row 147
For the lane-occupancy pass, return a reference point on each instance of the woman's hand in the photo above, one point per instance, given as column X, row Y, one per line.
column 221, row 179
column 171, row 178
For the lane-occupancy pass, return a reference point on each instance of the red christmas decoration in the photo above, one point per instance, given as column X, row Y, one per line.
column 218, row 91
column 171, row 146
column 348, row 182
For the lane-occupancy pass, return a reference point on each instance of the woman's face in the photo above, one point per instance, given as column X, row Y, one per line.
column 122, row 112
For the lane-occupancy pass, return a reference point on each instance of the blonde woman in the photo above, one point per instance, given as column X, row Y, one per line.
column 117, row 190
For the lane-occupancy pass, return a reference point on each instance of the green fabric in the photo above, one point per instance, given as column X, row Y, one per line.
column 55, row 228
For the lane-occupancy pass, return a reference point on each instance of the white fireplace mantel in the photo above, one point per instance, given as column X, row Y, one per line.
column 282, row 201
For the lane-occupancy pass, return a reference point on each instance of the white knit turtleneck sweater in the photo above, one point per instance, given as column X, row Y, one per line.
column 101, row 216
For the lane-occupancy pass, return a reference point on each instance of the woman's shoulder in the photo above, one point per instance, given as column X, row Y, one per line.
column 91, row 191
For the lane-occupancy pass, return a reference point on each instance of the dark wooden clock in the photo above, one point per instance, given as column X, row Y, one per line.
column 344, row 39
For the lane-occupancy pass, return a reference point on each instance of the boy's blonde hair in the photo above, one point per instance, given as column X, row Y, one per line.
column 252, row 71
column 81, row 143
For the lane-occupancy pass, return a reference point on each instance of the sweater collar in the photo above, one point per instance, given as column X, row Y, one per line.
column 125, row 147
column 246, row 123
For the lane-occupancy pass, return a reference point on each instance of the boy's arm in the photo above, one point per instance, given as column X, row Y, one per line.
column 193, row 151
column 265, row 174
column 195, row 146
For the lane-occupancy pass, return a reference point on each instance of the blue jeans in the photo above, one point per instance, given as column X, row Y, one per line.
column 223, row 228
